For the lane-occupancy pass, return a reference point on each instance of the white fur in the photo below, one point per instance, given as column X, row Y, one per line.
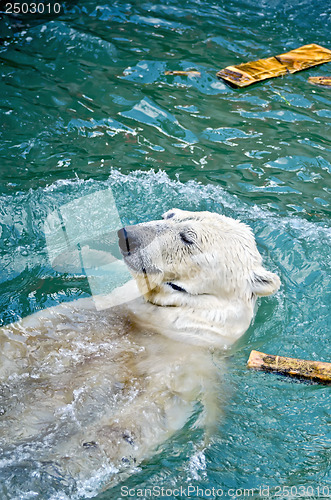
column 124, row 378
column 221, row 271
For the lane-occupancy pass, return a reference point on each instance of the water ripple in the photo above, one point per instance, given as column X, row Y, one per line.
column 86, row 106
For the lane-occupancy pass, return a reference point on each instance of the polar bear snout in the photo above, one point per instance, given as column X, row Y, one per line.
column 135, row 246
column 133, row 238
column 128, row 241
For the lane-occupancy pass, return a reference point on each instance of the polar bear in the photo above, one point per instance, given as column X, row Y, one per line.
column 86, row 390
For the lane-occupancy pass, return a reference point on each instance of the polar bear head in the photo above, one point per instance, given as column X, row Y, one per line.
column 195, row 254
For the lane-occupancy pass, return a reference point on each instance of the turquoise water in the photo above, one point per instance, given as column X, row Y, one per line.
column 85, row 106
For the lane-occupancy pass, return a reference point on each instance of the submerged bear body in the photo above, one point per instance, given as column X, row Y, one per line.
column 97, row 385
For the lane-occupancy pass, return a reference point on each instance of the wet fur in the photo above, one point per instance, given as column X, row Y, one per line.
column 91, row 384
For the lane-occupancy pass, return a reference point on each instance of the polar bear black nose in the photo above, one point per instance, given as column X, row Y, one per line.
column 127, row 241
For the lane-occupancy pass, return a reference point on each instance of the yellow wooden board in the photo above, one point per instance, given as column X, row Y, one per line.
column 320, row 80
column 304, row 57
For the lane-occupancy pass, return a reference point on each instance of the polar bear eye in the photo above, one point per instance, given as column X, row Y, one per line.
column 187, row 238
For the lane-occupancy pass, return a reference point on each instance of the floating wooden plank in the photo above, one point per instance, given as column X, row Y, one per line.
column 252, row 72
column 183, row 73
column 304, row 57
column 320, row 80
column 312, row 370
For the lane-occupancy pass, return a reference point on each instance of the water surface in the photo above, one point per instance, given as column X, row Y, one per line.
column 85, row 106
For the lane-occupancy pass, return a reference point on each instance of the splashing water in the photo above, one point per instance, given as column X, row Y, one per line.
column 86, row 107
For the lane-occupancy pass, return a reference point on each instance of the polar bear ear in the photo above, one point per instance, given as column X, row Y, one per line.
column 171, row 213
column 264, row 282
